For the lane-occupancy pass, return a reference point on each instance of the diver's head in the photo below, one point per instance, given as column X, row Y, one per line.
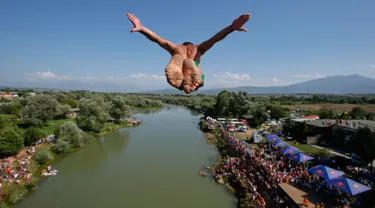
column 188, row 44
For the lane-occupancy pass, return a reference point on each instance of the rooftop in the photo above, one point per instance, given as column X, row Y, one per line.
column 353, row 124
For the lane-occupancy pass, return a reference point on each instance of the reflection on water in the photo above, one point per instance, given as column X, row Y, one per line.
column 119, row 142
column 97, row 153
column 155, row 165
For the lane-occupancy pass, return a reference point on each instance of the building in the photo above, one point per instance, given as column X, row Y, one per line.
column 6, row 95
column 344, row 129
column 73, row 113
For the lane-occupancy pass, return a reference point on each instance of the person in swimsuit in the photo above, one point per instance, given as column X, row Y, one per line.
column 183, row 71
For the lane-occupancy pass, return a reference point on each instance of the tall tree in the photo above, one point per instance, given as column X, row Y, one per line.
column 11, row 140
column 119, row 109
column 39, row 109
column 93, row 113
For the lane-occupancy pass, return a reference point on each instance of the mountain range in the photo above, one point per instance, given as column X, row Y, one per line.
column 339, row 84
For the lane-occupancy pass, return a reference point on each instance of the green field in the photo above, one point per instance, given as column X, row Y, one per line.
column 51, row 125
column 305, row 148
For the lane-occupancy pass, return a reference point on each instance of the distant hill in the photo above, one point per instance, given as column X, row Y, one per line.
column 340, row 84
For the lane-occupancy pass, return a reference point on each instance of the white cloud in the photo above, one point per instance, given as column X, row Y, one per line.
column 372, row 66
column 227, row 79
column 233, row 76
column 147, row 76
column 279, row 82
column 275, row 80
column 50, row 76
column 305, row 76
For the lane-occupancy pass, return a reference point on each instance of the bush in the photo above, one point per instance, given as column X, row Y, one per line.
column 4, row 205
column 32, row 134
column 30, row 186
column 70, row 132
column 11, row 141
column 61, row 147
column 88, row 138
column 43, row 155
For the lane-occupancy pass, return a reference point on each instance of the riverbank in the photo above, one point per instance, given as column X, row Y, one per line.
column 233, row 184
column 21, row 174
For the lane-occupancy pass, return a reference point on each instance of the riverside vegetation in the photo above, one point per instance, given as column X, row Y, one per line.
column 27, row 119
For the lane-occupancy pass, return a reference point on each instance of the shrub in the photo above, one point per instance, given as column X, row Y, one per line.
column 30, row 186
column 43, row 155
column 32, row 134
column 11, row 141
column 70, row 132
column 61, row 147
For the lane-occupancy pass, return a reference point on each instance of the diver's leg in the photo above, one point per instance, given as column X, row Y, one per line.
column 173, row 71
column 192, row 76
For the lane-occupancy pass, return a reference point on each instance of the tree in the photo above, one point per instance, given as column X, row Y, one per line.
column 39, row 109
column 278, row 112
column 223, row 103
column 32, row 134
column 93, row 114
column 119, row 109
column 364, row 144
column 326, row 113
column 259, row 116
column 70, row 133
column 71, row 102
column 11, row 140
column 6, row 108
column 62, row 111
column 16, row 108
column 358, row 112
column 43, row 155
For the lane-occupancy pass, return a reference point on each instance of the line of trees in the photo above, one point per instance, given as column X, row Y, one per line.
column 23, row 119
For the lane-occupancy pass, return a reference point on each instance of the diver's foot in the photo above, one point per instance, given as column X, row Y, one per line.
column 192, row 76
column 173, row 72
column 196, row 78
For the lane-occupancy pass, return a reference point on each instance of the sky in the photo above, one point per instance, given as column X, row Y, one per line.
column 87, row 44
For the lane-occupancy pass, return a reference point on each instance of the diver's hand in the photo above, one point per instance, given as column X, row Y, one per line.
column 135, row 21
column 239, row 22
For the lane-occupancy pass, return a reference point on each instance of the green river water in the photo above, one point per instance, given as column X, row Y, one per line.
column 155, row 165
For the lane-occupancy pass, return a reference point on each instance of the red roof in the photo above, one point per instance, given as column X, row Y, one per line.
column 312, row 116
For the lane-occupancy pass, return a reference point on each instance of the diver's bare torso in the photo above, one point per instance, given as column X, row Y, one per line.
column 188, row 52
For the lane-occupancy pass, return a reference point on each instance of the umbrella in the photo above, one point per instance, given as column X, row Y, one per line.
column 325, row 172
column 349, row 186
column 272, row 138
column 291, row 150
column 281, row 144
column 300, row 157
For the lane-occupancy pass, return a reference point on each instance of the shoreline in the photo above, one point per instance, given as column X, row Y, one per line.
column 14, row 193
column 235, row 187
column 212, row 139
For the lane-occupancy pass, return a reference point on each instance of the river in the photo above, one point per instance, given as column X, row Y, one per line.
column 155, row 165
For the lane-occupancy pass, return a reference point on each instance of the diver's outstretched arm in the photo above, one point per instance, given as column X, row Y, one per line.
column 236, row 25
column 167, row 45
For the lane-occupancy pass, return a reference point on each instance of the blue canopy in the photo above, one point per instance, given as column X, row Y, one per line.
column 291, row 150
column 272, row 138
column 349, row 186
column 325, row 172
column 281, row 144
column 300, row 157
